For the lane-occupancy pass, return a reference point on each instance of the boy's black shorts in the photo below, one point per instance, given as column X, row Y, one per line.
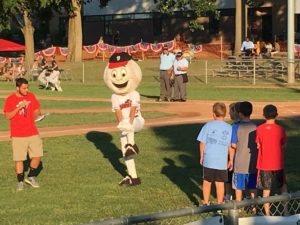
column 214, row 175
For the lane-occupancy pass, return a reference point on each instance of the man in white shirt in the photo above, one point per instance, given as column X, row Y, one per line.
column 247, row 47
column 166, row 62
column 180, row 67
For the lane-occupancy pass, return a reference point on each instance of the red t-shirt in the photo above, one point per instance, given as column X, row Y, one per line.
column 270, row 139
column 22, row 124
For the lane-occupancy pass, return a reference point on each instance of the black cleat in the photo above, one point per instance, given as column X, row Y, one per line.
column 129, row 181
column 131, row 150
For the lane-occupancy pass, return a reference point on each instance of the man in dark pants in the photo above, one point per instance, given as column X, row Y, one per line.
column 166, row 63
column 180, row 67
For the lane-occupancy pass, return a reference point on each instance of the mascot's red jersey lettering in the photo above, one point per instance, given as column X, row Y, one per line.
column 126, row 104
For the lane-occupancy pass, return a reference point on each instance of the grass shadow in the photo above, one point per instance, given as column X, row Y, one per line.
column 150, row 96
column 103, row 142
column 184, row 170
column 178, row 175
column 198, row 79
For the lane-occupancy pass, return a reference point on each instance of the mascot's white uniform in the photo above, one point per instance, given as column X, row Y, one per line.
column 123, row 75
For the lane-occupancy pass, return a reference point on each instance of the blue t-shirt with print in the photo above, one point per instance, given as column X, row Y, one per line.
column 216, row 135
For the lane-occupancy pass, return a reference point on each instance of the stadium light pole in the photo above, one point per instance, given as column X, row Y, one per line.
column 291, row 41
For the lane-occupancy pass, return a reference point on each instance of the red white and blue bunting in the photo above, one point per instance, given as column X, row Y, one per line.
column 144, row 46
column 195, row 48
column 49, row 51
column 63, row 51
column 102, row 47
column 297, row 49
column 91, row 49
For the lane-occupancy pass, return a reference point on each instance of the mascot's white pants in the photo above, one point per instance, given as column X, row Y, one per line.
column 128, row 144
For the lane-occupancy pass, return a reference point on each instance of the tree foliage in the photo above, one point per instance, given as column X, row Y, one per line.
column 198, row 7
column 21, row 12
column 13, row 10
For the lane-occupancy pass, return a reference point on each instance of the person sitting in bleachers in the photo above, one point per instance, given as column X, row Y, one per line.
column 247, row 47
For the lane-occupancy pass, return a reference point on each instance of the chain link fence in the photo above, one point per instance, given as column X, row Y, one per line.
column 252, row 71
column 280, row 205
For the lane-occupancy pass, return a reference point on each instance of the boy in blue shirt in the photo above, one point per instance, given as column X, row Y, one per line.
column 244, row 153
column 215, row 138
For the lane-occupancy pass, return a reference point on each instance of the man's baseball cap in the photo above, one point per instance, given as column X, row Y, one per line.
column 179, row 52
column 118, row 60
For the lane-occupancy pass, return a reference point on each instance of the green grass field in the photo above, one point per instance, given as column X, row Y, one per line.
column 80, row 175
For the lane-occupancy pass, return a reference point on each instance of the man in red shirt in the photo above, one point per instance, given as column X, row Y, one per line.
column 21, row 109
column 271, row 139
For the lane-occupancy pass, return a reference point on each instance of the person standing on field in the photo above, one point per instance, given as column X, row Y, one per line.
column 243, row 153
column 166, row 67
column 180, row 68
column 214, row 144
column 271, row 140
column 22, row 108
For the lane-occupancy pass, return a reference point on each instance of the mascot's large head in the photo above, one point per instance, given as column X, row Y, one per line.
column 122, row 75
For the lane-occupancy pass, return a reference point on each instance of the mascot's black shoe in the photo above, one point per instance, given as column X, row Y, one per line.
column 129, row 181
column 131, row 150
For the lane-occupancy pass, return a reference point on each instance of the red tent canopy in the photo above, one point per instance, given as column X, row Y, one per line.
column 10, row 46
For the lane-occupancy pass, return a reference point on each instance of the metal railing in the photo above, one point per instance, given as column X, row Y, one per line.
column 278, row 206
column 254, row 69
column 207, row 71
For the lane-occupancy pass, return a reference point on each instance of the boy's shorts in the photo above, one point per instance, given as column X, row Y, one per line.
column 266, row 179
column 230, row 173
column 242, row 181
column 21, row 146
column 214, row 175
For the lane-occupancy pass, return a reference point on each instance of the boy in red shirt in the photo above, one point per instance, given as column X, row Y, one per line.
column 271, row 139
column 21, row 109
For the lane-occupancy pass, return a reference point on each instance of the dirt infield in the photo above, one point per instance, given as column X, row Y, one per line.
column 190, row 112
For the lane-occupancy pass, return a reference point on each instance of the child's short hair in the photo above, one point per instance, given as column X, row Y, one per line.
column 245, row 108
column 234, row 110
column 219, row 109
column 270, row 111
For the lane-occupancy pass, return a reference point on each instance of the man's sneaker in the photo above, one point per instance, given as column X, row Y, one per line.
column 32, row 181
column 129, row 181
column 20, row 186
column 131, row 150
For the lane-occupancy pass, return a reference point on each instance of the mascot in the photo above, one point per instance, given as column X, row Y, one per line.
column 123, row 75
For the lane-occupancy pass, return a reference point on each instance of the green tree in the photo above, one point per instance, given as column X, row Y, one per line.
column 21, row 12
column 73, row 10
column 199, row 7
